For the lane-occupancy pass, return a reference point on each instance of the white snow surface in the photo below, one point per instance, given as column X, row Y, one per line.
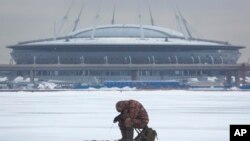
column 81, row 115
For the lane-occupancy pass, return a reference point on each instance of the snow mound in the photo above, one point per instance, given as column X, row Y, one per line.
column 233, row 78
column 46, row 85
column 248, row 79
column 211, row 79
column 193, row 80
column 3, row 79
column 20, row 79
column 234, row 89
column 55, row 81
column 112, row 89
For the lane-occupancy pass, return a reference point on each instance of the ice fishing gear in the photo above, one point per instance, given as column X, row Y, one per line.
column 146, row 134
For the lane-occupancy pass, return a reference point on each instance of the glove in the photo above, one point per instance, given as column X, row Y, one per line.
column 117, row 118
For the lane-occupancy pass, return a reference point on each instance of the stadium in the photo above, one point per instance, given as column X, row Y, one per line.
column 124, row 44
column 127, row 46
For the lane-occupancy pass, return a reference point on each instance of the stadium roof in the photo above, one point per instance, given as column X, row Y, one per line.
column 124, row 34
column 127, row 30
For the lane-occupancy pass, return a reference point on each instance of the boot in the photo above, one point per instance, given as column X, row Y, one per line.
column 123, row 132
column 129, row 134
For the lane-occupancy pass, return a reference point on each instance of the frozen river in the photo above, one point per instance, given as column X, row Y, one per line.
column 80, row 115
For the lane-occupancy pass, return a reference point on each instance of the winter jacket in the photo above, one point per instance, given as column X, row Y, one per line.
column 133, row 114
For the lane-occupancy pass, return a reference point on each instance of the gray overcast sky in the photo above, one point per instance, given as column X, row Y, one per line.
column 224, row 20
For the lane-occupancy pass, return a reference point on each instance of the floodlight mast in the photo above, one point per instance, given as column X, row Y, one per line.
column 113, row 16
column 140, row 19
column 96, row 19
column 182, row 23
column 150, row 13
column 78, row 18
column 63, row 20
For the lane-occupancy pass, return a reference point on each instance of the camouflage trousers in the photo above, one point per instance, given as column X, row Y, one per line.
column 135, row 123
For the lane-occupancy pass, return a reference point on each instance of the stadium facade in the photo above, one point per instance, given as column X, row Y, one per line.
column 123, row 44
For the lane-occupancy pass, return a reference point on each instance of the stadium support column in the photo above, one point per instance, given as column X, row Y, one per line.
column 32, row 76
column 237, row 78
column 34, row 60
column 58, row 60
column 228, row 78
column 243, row 73
column 240, row 75
column 135, row 75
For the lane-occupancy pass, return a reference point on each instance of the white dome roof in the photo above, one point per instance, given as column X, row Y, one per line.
column 125, row 30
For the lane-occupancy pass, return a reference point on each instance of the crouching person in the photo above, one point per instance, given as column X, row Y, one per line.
column 132, row 115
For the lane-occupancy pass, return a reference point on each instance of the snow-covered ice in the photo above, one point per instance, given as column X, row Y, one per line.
column 80, row 115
